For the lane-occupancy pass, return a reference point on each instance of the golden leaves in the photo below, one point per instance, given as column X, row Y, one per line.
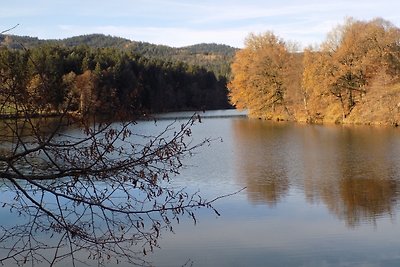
column 259, row 73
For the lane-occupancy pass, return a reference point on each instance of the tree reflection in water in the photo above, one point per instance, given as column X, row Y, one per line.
column 261, row 161
column 353, row 171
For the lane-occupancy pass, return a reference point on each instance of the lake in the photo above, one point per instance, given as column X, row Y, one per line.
column 314, row 195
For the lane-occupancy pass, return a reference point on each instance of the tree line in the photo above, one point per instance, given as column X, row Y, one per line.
column 352, row 77
column 50, row 78
column 213, row 57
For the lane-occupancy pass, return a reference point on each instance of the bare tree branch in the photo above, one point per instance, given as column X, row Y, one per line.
column 87, row 190
column 10, row 29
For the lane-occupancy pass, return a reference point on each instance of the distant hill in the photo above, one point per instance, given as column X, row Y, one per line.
column 214, row 57
column 96, row 41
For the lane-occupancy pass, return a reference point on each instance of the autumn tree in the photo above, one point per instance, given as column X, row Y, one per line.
column 351, row 58
column 317, row 99
column 260, row 75
column 357, row 65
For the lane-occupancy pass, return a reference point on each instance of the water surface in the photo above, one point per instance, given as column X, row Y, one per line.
column 315, row 196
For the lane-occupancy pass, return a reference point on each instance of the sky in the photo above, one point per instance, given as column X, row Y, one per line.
column 186, row 22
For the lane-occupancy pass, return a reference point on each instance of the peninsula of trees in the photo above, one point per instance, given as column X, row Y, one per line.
column 353, row 77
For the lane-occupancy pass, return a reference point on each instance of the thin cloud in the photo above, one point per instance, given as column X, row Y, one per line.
column 179, row 23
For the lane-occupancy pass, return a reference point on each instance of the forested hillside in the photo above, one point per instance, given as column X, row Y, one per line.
column 51, row 78
column 353, row 77
column 213, row 57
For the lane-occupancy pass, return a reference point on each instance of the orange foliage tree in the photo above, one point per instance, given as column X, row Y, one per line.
column 259, row 82
column 350, row 59
column 357, row 66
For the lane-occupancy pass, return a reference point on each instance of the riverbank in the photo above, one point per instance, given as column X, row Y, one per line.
column 21, row 115
column 379, row 107
column 361, row 118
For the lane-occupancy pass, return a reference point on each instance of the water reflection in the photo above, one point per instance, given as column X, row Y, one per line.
column 261, row 161
column 352, row 170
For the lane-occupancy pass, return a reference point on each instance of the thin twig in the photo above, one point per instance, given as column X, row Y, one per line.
column 10, row 29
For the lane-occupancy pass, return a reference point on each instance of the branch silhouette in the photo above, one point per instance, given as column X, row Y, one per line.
column 86, row 190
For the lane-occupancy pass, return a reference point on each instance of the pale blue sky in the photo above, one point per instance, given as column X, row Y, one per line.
column 186, row 22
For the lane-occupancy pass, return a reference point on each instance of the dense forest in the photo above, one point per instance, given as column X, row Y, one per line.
column 353, row 77
column 101, row 78
column 213, row 57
